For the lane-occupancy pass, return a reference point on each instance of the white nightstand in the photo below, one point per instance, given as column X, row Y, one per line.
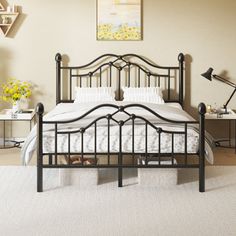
column 231, row 117
column 6, row 115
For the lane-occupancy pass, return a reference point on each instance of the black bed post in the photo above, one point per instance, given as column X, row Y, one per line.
column 39, row 112
column 58, row 59
column 181, row 78
column 202, row 112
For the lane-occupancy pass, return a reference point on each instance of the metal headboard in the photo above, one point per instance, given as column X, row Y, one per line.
column 108, row 64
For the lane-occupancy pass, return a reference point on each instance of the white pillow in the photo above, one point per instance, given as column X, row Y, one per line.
column 145, row 94
column 105, row 94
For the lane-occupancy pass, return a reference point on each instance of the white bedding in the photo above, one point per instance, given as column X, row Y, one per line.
column 74, row 110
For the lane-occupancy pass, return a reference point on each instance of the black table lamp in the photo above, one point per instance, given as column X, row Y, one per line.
column 208, row 75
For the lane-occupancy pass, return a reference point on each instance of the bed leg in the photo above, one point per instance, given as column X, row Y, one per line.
column 39, row 179
column 120, row 184
column 202, row 111
column 202, row 180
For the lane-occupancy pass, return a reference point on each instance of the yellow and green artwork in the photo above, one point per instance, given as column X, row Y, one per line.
column 119, row 20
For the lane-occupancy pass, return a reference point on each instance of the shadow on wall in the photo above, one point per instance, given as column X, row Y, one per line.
column 37, row 94
column 65, row 62
column 5, row 57
column 188, row 83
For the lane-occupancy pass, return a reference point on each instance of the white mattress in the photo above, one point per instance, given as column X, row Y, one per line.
column 139, row 141
column 70, row 111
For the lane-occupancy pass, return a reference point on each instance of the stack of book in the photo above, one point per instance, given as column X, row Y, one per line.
column 7, row 114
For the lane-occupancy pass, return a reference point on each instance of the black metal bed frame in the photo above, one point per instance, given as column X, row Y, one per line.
column 111, row 120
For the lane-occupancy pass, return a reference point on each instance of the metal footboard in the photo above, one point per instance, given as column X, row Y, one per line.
column 50, row 160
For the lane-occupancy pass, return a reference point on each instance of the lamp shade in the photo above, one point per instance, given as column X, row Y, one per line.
column 208, row 74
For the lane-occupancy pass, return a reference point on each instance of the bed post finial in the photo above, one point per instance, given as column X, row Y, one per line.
column 202, row 108
column 181, row 57
column 181, row 78
column 202, row 112
column 40, row 109
column 58, row 59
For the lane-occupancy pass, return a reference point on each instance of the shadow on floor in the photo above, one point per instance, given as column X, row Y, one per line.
column 111, row 175
column 192, row 175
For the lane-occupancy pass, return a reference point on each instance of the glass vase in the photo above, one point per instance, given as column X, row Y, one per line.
column 16, row 106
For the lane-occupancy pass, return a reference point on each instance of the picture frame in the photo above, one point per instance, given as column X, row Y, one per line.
column 119, row 20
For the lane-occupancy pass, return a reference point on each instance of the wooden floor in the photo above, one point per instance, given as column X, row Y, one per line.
column 222, row 156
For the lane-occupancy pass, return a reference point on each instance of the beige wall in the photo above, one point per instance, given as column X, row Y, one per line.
column 204, row 30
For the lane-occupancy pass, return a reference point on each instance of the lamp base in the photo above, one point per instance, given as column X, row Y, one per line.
column 224, row 113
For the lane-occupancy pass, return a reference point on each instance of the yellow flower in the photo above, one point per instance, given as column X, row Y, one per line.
column 117, row 36
column 110, row 35
column 14, row 90
column 126, row 37
column 15, row 97
column 28, row 94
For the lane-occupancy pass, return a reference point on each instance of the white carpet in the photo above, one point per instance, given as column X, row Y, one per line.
column 108, row 210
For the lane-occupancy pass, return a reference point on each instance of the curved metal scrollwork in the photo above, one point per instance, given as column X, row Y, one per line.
column 106, row 62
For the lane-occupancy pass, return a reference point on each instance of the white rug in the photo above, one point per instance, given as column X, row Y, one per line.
column 109, row 210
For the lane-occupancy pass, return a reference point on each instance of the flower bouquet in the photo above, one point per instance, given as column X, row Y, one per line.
column 13, row 91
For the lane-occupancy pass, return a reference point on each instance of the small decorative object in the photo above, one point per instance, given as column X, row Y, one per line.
column 75, row 160
column 8, row 16
column 5, row 20
column 119, row 20
column 208, row 75
column 14, row 8
column 13, row 91
column 9, row 9
column 214, row 108
column 209, row 109
column 24, row 103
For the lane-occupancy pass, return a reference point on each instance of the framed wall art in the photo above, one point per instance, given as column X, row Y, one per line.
column 119, row 20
